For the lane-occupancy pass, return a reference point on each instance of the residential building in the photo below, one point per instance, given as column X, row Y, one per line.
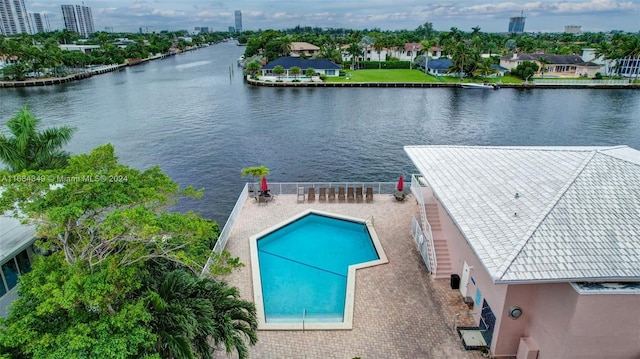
column 16, row 256
column 238, row 15
column 542, row 243
column 147, row 29
column 321, row 66
column 573, row 29
column 39, row 22
column 232, row 29
column 81, row 48
column 14, row 18
column 558, row 66
column 78, row 19
column 516, row 24
column 304, row 49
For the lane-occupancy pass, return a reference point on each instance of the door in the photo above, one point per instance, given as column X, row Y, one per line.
column 464, row 281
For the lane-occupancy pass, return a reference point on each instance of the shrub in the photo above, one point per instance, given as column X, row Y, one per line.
column 323, row 77
column 342, row 73
column 598, row 76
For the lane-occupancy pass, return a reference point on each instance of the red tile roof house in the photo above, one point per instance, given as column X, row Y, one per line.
column 559, row 65
column 543, row 242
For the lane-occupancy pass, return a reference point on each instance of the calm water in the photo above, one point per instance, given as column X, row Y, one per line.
column 202, row 124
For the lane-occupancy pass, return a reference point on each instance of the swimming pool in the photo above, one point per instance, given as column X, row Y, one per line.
column 304, row 270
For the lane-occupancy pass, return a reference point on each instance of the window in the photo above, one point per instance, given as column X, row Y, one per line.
column 24, row 264
column 10, row 271
column 3, row 290
column 330, row 72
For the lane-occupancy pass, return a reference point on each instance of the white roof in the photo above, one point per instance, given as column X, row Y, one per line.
column 14, row 237
column 576, row 215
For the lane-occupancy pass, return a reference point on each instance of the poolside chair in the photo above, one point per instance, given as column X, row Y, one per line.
column 369, row 195
column 311, row 197
column 399, row 195
column 341, row 194
column 322, row 196
column 332, row 194
column 350, row 196
column 262, row 199
column 300, row 194
column 358, row 194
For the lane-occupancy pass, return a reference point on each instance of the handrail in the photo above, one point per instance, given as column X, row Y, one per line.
column 292, row 187
column 226, row 230
column 416, row 188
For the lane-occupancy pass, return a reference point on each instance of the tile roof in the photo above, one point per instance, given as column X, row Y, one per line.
column 438, row 64
column 14, row 237
column 290, row 61
column 553, row 59
column 542, row 213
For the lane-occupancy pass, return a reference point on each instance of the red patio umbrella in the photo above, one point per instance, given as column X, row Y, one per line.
column 264, row 186
column 400, row 184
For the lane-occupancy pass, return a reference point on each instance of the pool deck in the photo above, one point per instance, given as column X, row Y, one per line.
column 400, row 311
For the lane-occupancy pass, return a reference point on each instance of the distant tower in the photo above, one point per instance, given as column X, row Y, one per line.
column 39, row 22
column 516, row 24
column 14, row 18
column 238, row 21
column 78, row 19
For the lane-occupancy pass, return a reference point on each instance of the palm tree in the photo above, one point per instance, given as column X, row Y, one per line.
column 543, row 60
column 28, row 149
column 295, row 71
column 485, row 68
column 354, row 50
column 190, row 312
column 253, row 67
column 378, row 45
column 279, row 71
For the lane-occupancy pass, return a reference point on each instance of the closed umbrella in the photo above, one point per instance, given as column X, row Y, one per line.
column 401, row 184
column 264, row 187
column 400, row 192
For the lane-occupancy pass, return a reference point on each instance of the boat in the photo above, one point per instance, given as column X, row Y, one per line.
column 479, row 86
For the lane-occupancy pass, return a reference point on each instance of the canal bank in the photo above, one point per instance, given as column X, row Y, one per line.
column 586, row 85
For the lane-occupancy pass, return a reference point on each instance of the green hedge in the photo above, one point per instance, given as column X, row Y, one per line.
column 373, row 65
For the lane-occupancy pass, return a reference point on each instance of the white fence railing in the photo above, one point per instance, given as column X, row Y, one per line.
column 292, row 187
column 417, row 184
column 558, row 82
column 228, row 226
column 421, row 241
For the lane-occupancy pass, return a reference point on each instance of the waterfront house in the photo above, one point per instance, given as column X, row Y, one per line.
column 304, row 49
column 15, row 258
column 558, row 66
column 321, row 66
column 543, row 243
column 86, row 49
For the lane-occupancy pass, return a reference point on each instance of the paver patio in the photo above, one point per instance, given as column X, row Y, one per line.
column 399, row 311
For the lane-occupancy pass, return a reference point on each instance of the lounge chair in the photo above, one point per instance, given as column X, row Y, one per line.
column 350, row 196
column 300, row 194
column 399, row 195
column 332, row 194
column 322, row 196
column 369, row 195
column 359, row 194
column 341, row 194
column 311, row 196
column 262, row 199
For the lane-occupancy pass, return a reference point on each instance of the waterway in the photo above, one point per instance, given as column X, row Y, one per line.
column 192, row 115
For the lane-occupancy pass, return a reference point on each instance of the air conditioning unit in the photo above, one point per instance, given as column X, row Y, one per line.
column 527, row 349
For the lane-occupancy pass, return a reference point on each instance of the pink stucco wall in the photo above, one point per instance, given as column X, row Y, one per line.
column 566, row 324
column 563, row 323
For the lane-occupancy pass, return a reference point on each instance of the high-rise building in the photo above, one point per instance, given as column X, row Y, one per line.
column 78, row 19
column 516, row 24
column 39, row 22
column 14, row 18
column 573, row 29
column 238, row 21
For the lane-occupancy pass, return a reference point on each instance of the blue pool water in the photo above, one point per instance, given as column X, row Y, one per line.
column 304, row 265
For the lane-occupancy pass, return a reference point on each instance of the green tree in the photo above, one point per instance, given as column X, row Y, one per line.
column 279, row 71
column 295, row 71
column 355, row 51
column 253, row 68
column 544, row 61
column 310, row 72
column 26, row 148
column 254, row 172
column 485, row 68
column 525, row 70
column 188, row 310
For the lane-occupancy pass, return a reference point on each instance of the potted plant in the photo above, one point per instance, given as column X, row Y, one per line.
column 254, row 172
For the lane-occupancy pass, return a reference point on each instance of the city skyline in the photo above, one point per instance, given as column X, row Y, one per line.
column 541, row 16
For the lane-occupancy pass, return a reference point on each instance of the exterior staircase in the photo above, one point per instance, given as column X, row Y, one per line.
column 439, row 242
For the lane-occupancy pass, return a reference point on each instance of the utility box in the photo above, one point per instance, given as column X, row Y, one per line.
column 455, row 281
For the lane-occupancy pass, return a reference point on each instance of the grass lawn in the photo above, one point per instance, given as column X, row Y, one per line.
column 398, row 75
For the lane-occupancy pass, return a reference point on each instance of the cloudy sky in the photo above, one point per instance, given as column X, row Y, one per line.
column 490, row 15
